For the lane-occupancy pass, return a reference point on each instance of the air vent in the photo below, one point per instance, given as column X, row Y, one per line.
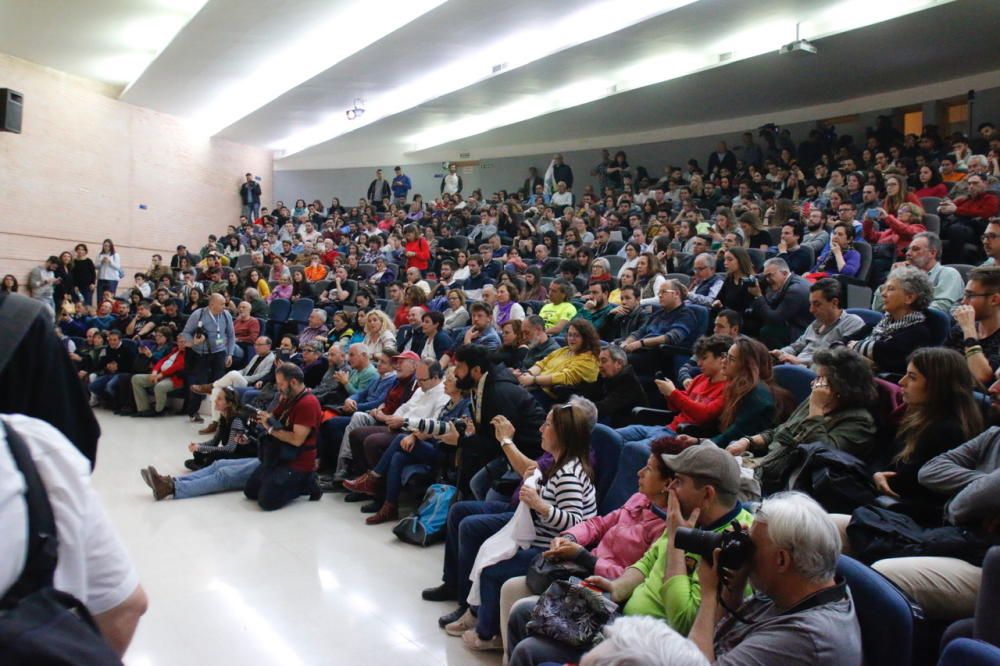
column 465, row 155
column 723, row 57
column 613, row 89
column 499, row 68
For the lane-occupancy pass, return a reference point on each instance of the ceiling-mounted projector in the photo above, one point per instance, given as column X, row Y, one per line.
column 799, row 46
column 357, row 111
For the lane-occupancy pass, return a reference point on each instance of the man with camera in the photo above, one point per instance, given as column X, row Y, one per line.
column 800, row 614
column 664, row 583
column 782, row 312
column 213, row 342
column 288, row 447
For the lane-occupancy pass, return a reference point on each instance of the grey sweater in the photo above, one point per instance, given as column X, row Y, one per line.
column 970, row 472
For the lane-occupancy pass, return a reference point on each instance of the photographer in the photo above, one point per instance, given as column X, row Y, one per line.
column 783, row 312
column 214, row 340
column 799, row 611
column 288, row 453
column 660, row 584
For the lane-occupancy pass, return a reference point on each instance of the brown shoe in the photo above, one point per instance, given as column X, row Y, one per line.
column 209, row 429
column 389, row 511
column 163, row 486
column 201, row 389
column 366, row 484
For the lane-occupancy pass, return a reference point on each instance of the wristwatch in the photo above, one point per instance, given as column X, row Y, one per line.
column 505, row 442
column 970, row 342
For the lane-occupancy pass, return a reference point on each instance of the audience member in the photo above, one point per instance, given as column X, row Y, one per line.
column 832, row 325
column 905, row 297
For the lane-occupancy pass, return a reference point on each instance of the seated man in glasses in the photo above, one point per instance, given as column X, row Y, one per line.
column 977, row 333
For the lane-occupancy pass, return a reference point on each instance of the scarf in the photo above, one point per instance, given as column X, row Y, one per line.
column 503, row 312
column 888, row 327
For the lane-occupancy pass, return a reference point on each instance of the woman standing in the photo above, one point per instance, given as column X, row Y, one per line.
column 84, row 274
column 64, row 276
column 109, row 268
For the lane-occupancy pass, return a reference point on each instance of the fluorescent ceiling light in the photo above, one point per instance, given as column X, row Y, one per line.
column 356, row 25
column 764, row 36
column 510, row 51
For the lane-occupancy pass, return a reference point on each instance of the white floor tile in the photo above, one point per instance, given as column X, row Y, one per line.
column 228, row 584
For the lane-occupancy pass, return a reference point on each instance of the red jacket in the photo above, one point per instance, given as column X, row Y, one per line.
column 701, row 404
column 985, row 206
column 940, row 191
column 176, row 368
column 898, row 234
column 423, row 254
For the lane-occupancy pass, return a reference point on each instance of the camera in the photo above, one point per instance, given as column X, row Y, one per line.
column 659, row 375
column 460, row 426
column 736, row 546
column 750, row 281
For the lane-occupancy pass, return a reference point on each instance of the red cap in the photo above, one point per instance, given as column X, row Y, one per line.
column 407, row 355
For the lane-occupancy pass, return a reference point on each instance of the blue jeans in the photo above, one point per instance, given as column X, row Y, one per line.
column 469, row 525
column 644, row 433
column 220, row 476
column 106, row 285
column 491, row 580
column 102, row 387
column 274, row 486
column 481, row 485
column 392, row 463
column 246, row 394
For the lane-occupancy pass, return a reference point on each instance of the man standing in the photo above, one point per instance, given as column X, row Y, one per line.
column 561, row 172
column 295, row 424
column 250, row 197
column 378, row 191
column 452, row 182
column 401, row 186
column 213, row 342
column 42, row 281
column 531, row 183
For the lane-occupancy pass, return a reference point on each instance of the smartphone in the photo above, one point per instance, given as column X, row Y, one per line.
column 872, row 214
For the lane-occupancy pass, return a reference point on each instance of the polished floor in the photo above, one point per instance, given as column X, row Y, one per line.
column 228, row 584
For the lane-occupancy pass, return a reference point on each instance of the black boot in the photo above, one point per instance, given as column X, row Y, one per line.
column 442, row 592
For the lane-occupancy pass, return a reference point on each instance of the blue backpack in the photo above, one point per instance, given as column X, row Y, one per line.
column 428, row 523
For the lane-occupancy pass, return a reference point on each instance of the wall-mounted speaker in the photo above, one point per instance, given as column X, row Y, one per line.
column 11, row 104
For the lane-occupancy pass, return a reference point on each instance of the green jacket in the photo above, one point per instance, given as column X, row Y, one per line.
column 849, row 430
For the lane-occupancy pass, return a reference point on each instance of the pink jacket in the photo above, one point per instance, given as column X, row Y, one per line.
column 622, row 536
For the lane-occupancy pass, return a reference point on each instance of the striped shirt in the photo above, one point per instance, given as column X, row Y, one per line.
column 571, row 495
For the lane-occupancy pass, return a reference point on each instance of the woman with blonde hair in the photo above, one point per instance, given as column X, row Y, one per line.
column 380, row 333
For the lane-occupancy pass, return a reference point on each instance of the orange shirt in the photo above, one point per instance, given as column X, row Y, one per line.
column 315, row 273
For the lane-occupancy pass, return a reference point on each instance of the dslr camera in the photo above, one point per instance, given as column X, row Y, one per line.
column 735, row 545
column 750, row 280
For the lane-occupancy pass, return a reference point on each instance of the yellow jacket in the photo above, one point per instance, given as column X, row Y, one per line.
column 565, row 367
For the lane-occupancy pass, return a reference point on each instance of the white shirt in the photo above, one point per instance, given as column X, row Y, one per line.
column 424, row 404
column 93, row 565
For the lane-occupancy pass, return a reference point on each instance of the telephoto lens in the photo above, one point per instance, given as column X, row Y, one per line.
column 736, row 546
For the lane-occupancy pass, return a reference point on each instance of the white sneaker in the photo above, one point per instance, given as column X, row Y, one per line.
column 461, row 625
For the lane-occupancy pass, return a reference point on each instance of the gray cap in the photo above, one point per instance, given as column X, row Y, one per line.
column 709, row 462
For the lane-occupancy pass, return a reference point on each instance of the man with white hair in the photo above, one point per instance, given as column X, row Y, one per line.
column 315, row 329
column 924, row 253
column 800, row 613
column 213, row 342
column 340, row 381
column 783, row 311
column 643, row 640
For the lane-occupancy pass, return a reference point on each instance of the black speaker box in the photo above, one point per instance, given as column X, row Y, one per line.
column 11, row 103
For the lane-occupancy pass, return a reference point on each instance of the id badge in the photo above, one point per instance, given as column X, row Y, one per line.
column 218, row 340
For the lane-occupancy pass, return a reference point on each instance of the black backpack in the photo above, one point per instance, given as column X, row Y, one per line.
column 39, row 625
column 837, row 480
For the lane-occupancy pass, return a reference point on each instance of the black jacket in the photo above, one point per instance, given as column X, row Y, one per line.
column 618, row 396
column 254, row 192
column 124, row 356
column 384, row 192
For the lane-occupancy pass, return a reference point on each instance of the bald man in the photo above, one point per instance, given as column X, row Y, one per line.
column 213, row 342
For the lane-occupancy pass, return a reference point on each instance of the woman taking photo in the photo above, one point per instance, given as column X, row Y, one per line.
column 230, row 439
column 564, row 497
column 906, row 295
column 836, row 413
column 840, row 258
column 567, row 368
column 939, row 413
column 507, row 308
column 109, row 266
column 734, row 294
column 422, row 443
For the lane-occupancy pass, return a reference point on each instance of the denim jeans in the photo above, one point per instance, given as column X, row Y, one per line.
column 469, row 525
column 102, row 387
column 644, row 433
column 395, row 460
column 491, row 580
column 220, row 476
column 246, row 394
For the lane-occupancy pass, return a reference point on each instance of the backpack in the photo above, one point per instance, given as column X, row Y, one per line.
column 40, row 625
column 837, row 480
column 429, row 522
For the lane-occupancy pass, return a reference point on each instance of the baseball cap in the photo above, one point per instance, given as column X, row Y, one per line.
column 709, row 462
column 406, row 356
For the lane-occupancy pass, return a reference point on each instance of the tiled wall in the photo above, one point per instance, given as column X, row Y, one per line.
column 85, row 162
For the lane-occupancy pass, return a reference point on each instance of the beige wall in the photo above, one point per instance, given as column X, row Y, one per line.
column 84, row 162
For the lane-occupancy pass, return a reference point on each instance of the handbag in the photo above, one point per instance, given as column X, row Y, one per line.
column 542, row 572
column 571, row 614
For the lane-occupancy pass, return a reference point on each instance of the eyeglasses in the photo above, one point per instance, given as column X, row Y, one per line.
column 971, row 294
column 990, row 236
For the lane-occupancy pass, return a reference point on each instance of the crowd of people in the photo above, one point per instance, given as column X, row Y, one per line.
column 490, row 341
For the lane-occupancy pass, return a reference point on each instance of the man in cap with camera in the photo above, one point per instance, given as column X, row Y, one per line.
column 664, row 583
column 800, row 613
